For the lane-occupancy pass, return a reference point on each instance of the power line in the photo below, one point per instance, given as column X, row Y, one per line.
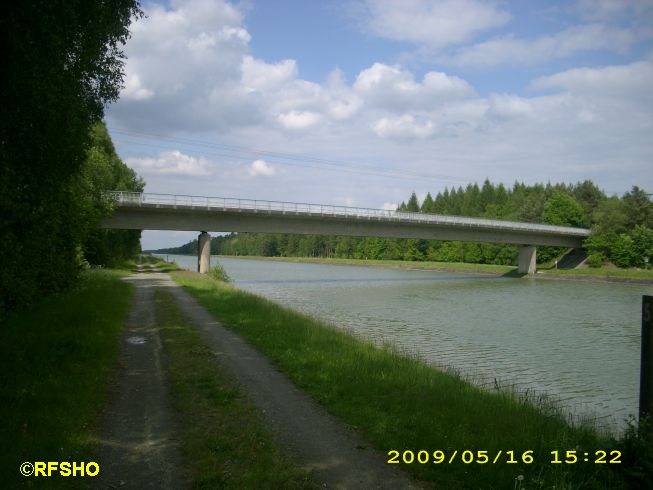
column 243, row 153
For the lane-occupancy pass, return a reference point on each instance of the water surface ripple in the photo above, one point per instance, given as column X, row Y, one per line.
column 577, row 341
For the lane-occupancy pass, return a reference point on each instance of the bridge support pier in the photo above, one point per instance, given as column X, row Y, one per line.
column 203, row 253
column 527, row 259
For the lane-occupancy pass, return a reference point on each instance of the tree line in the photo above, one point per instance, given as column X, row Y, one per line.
column 622, row 227
column 61, row 64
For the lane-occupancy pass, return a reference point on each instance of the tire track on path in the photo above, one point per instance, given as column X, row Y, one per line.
column 138, row 446
column 305, row 431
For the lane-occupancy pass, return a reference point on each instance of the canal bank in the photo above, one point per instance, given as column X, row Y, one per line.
column 578, row 342
column 432, row 423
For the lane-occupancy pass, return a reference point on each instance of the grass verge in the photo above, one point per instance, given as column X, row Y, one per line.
column 55, row 361
column 224, row 441
column 601, row 273
column 400, row 403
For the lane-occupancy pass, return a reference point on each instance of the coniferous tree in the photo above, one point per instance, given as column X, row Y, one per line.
column 412, row 206
column 427, row 205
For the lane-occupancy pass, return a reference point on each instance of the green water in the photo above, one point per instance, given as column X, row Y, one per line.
column 577, row 341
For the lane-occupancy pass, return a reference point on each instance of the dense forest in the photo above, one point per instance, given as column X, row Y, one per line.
column 61, row 64
column 622, row 227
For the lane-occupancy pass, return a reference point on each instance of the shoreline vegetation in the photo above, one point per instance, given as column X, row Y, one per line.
column 398, row 402
column 610, row 274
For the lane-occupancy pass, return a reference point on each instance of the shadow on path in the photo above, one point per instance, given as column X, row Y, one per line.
column 137, row 444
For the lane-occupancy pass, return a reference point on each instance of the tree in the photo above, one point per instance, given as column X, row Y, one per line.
column 638, row 208
column 61, row 63
column 471, row 201
column 427, row 205
column 610, row 217
column 104, row 170
column 415, row 249
column 588, row 195
column 642, row 245
column 412, row 205
column 487, row 195
column 562, row 209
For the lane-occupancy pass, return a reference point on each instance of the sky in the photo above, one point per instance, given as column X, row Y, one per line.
column 362, row 102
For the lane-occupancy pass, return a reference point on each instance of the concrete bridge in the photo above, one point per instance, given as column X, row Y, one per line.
column 147, row 211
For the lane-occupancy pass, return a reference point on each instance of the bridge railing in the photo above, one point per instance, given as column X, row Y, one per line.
column 123, row 198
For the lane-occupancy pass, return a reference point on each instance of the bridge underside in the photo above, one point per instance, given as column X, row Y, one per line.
column 146, row 218
column 154, row 217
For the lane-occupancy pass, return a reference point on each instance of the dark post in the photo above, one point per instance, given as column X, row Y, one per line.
column 646, row 373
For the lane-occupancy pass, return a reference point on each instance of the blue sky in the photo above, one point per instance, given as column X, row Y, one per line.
column 362, row 102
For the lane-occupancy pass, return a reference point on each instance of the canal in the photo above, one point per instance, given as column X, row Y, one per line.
column 579, row 342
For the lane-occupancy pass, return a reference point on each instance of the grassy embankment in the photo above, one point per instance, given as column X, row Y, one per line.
column 597, row 273
column 224, row 442
column 55, row 361
column 400, row 403
column 605, row 273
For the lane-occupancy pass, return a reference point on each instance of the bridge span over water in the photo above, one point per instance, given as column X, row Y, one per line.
column 148, row 211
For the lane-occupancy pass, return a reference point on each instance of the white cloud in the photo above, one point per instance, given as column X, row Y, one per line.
column 261, row 167
column 134, row 90
column 405, row 127
column 261, row 76
column 299, row 119
column 513, row 50
column 389, row 206
column 628, row 81
column 391, row 87
column 191, row 74
column 434, row 24
column 507, row 105
column 178, row 57
column 342, row 103
column 172, row 162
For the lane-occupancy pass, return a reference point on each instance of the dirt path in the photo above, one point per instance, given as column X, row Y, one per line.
column 138, row 443
column 304, row 429
column 138, row 447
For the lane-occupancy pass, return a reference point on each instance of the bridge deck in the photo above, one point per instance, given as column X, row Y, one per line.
column 164, row 211
column 251, row 205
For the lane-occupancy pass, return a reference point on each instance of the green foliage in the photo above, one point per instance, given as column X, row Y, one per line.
column 595, row 259
column 61, row 63
column 427, row 205
column 642, row 245
column 103, row 170
column 412, row 205
column 218, row 273
column 56, row 358
column 563, row 209
column 610, row 217
column 637, row 450
column 638, row 208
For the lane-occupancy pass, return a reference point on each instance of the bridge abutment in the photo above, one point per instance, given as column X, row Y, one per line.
column 527, row 259
column 203, row 252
